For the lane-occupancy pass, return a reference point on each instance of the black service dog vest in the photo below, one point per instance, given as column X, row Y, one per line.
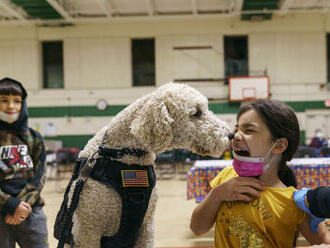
column 134, row 183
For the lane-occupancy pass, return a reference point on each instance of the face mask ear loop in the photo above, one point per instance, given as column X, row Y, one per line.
column 266, row 166
column 270, row 150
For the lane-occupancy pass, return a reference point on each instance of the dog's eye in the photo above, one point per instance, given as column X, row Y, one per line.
column 197, row 114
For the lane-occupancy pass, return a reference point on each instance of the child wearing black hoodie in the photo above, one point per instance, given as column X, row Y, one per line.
column 22, row 172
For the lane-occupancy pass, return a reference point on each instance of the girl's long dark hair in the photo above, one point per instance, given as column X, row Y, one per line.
column 282, row 123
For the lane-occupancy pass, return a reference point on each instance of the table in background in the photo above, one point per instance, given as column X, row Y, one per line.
column 310, row 172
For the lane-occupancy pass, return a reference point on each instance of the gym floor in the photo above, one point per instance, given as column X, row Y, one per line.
column 172, row 214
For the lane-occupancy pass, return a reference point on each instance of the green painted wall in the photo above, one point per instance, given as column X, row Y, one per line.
column 73, row 111
column 79, row 111
column 302, row 137
column 217, row 108
column 80, row 141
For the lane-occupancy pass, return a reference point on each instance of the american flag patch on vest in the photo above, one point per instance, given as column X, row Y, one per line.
column 135, row 178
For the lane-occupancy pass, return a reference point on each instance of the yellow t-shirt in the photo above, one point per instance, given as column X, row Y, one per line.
column 269, row 221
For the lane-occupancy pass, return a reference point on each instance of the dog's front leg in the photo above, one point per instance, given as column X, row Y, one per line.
column 97, row 215
column 147, row 230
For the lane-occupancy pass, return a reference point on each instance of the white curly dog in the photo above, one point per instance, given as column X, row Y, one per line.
column 172, row 116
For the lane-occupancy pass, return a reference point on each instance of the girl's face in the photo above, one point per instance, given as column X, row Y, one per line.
column 251, row 136
column 10, row 104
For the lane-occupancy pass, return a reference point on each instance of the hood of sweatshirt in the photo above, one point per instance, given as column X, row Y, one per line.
column 21, row 124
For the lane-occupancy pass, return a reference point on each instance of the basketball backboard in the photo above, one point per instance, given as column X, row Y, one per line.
column 248, row 88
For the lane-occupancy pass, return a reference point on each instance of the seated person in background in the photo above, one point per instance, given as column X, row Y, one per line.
column 251, row 202
column 318, row 141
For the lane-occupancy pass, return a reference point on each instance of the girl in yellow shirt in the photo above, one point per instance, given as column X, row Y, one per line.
column 251, row 202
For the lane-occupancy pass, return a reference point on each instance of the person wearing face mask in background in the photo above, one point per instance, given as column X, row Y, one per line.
column 22, row 172
column 251, row 203
column 318, row 141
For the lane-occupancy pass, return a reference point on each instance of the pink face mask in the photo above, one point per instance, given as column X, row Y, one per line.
column 251, row 166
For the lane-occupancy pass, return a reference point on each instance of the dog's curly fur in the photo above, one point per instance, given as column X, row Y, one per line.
column 172, row 116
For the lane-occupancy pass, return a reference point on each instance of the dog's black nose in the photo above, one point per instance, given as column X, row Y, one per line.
column 230, row 135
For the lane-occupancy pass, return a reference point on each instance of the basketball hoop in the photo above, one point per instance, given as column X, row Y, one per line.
column 249, row 93
column 248, row 88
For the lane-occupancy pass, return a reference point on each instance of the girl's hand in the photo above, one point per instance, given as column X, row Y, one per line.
column 239, row 189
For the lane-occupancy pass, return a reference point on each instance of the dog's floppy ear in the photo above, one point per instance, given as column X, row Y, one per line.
column 152, row 125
